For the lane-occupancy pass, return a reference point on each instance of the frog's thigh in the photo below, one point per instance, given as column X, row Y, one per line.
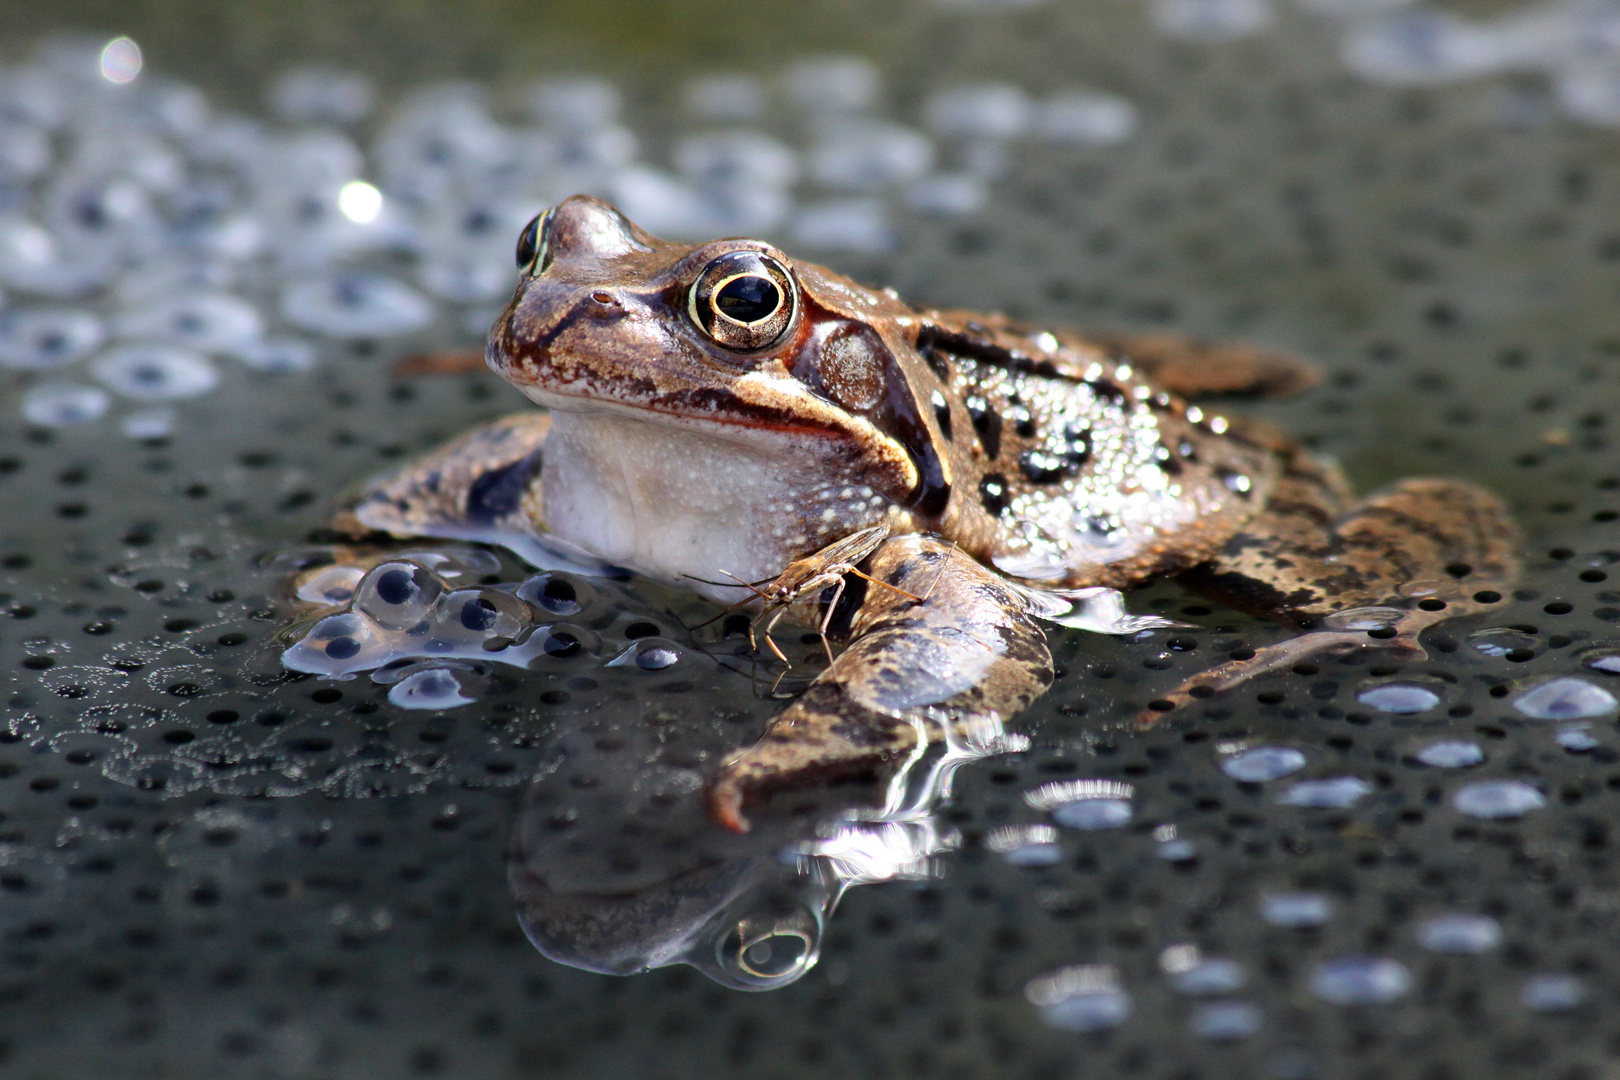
column 486, row 480
column 1193, row 369
column 969, row 649
column 1304, row 557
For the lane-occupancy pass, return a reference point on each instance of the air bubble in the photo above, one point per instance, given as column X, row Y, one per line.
column 1451, row 754
column 155, row 372
column 1565, row 697
column 64, row 404
column 1498, row 799
column 1335, row 793
column 1296, row 910
column 1402, row 698
column 1460, row 933
column 1360, row 980
column 1258, row 764
column 356, row 305
column 47, row 337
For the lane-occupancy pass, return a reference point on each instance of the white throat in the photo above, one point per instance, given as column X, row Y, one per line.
column 675, row 502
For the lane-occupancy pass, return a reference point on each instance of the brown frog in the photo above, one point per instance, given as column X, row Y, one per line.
column 722, row 414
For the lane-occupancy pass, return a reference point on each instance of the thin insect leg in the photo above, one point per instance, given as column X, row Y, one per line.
column 886, row 585
column 945, row 562
column 826, row 618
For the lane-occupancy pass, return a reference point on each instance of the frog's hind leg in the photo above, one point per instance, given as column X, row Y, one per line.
column 482, row 486
column 957, row 662
column 1375, row 573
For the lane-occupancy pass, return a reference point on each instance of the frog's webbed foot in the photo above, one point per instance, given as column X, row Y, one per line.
column 1373, row 576
column 914, row 670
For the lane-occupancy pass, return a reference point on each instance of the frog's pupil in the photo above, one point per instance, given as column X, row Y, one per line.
column 748, row 299
column 528, row 243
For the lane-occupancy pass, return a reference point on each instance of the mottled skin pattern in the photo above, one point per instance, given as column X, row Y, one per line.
column 988, row 450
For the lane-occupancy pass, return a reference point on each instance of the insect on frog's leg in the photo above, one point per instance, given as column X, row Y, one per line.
column 1373, row 574
column 970, row 650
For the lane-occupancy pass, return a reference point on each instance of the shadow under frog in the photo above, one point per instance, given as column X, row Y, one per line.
column 615, row 867
column 616, row 863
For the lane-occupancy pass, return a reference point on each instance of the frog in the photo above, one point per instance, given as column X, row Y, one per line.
column 725, row 418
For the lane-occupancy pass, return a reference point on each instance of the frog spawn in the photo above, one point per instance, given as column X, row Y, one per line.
column 434, row 644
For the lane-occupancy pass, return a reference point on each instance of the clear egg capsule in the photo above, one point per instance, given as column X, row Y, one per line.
column 338, row 645
column 398, row 595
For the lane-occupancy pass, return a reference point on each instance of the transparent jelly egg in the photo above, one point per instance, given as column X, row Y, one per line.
column 338, row 645
column 64, row 404
column 398, row 595
column 557, row 593
column 1565, row 697
column 1296, row 910
column 1224, row 1021
column 1451, row 754
column 1257, row 764
column 330, row 585
column 208, row 321
column 1498, row 800
column 1335, row 793
column 1460, row 933
column 1360, row 980
column 47, row 337
column 431, row 688
column 356, row 305
column 155, row 372
column 1025, row 845
column 1401, row 698
column 484, row 615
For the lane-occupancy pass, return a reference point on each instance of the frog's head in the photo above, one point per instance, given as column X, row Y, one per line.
column 732, row 337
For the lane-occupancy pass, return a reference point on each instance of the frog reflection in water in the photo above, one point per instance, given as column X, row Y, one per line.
column 722, row 413
column 614, row 869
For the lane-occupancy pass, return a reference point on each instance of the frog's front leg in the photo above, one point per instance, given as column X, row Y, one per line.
column 1373, row 573
column 967, row 649
column 481, row 486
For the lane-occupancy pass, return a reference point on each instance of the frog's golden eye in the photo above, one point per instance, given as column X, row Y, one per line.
column 534, row 245
column 744, row 301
